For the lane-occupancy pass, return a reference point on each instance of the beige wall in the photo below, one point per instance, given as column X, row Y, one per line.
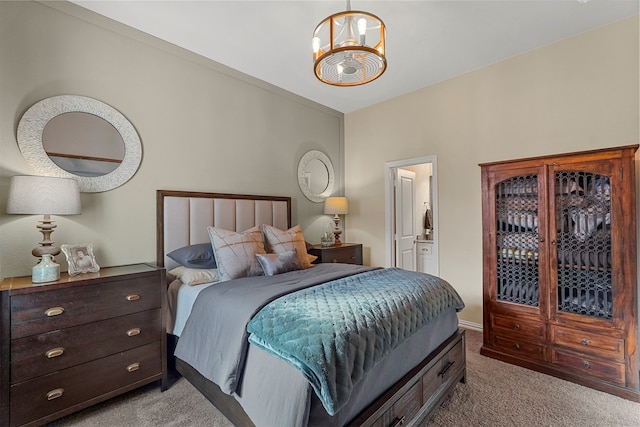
column 580, row 93
column 203, row 127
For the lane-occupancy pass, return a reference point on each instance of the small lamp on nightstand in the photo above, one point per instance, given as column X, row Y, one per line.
column 336, row 206
column 43, row 195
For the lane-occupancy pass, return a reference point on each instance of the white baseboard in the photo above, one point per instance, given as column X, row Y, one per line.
column 470, row 325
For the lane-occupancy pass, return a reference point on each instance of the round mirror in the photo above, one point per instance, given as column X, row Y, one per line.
column 315, row 176
column 83, row 144
column 77, row 137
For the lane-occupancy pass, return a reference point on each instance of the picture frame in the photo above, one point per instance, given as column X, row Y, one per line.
column 80, row 258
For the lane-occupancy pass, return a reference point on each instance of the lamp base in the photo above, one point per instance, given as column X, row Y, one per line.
column 47, row 270
column 336, row 231
column 46, row 227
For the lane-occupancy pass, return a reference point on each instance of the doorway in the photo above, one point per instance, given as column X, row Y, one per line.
column 424, row 237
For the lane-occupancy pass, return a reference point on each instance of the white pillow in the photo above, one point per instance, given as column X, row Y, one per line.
column 281, row 241
column 195, row 276
column 236, row 252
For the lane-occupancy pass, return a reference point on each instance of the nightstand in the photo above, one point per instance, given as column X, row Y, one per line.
column 69, row 344
column 348, row 253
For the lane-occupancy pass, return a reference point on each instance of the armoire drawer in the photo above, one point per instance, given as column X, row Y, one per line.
column 46, row 395
column 519, row 347
column 605, row 370
column 607, row 347
column 51, row 351
column 519, row 326
column 50, row 310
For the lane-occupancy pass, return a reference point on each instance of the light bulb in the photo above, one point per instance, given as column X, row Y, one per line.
column 362, row 29
column 362, row 26
column 315, row 43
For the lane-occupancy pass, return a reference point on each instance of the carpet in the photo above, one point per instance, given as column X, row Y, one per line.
column 496, row 394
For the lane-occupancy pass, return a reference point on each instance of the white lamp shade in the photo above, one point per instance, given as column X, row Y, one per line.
column 43, row 195
column 336, row 205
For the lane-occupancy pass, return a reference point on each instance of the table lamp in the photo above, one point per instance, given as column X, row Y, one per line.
column 336, row 206
column 43, row 195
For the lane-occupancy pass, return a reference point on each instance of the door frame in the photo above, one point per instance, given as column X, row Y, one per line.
column 389, row 176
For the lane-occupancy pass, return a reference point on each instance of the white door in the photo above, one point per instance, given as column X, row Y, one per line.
column 405, row 222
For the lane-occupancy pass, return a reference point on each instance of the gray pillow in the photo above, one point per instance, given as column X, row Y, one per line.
column 273, row 264
column 199, row 255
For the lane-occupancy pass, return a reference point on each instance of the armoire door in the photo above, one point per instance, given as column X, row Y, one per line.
column 516, row 202
column 584, row 246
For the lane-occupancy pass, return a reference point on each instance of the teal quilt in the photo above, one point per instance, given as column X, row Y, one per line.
column 370, row 314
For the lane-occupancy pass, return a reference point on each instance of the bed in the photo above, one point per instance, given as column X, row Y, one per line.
column 401, row 381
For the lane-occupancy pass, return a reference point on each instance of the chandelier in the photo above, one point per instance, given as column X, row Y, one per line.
column 342, row 51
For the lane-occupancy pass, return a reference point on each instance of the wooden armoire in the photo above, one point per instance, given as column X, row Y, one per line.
column 560, row 288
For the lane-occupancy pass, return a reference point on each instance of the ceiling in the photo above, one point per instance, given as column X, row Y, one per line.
column 427, row 41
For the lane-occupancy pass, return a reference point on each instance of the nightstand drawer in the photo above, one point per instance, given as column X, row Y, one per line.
column 347, row 253
column 50, row 310
column 48, row 352
column 43, row 396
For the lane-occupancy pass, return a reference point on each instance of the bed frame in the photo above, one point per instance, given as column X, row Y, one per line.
column 181, row 221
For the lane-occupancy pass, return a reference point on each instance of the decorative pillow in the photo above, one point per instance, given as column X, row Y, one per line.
column 279, row 263
column 199, row 255
column 280, row 241
column 236, row 252
column 195, row 276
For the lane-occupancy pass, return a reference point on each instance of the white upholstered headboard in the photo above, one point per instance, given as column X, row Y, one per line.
column 183, row 217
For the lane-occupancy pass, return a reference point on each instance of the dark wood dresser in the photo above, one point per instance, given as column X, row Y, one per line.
column 69, row 344
column 348, row 253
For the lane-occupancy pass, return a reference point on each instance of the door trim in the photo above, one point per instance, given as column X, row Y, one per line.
column 389, row 174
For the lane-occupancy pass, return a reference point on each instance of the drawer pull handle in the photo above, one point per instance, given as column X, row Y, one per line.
column 516, row 346
column 133, row 367
column 397, row 422
column 585, row 341
column 133, row 297
column 54, row 311
column 133, row 332
column 446, row 368
column 516, row 327
column 586, row 364
column 54, row 394
column 54, row 352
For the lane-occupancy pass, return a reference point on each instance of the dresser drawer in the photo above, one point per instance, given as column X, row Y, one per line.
column 588, row 342
column 43, row 396
column 51, row 351
column 583, row 364
column 519, row 327
column 50, row 310
column 522, row 347
column 443, row 371
column 405, row 408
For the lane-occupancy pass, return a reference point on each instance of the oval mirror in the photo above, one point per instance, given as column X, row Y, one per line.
column 316, row 176
column 82, row 138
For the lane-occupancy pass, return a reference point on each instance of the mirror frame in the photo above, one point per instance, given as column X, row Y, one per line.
column 302, row 175
column 31, row 127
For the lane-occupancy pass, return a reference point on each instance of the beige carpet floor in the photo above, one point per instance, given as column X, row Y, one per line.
column 496, row 394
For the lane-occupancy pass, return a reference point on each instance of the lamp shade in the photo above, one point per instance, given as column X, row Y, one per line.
column 336, row 206
column 43, row 195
